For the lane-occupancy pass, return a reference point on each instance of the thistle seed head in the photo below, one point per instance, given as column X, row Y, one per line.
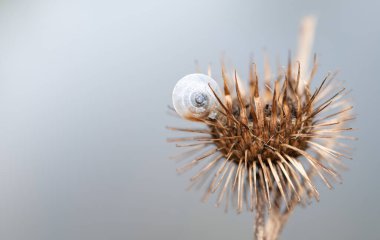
column 263, row 146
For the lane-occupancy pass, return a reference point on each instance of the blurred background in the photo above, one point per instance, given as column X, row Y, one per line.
column 84, row 89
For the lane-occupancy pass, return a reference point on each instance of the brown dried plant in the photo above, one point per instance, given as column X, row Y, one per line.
column 270, row 142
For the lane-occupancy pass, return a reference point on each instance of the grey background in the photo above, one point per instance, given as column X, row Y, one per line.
column 84, row 87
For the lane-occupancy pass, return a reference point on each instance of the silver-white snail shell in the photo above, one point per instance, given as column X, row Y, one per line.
column 193, row 98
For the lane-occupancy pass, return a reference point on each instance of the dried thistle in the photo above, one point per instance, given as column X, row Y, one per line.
column 265, row 145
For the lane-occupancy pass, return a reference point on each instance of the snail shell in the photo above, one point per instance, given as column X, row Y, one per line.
column 193, row 98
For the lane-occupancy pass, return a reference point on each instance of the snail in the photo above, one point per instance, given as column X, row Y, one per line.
column 193, row 98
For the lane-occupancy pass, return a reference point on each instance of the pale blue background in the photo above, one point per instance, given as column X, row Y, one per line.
column 84, row 87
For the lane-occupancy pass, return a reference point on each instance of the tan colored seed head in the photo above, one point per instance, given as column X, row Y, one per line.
column 268, row 144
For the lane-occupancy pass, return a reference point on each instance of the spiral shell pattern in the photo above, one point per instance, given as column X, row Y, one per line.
column 193, row 98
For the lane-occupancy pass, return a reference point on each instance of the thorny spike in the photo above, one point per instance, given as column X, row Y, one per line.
column 227, row 93
column 267, row 78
